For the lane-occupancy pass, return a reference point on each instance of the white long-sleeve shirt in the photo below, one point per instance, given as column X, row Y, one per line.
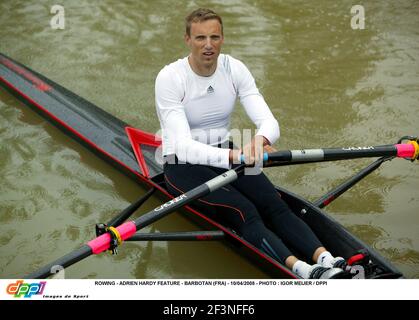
column 194, row 111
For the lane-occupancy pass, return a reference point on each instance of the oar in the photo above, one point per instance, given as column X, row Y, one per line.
column 127, row 229
column 408, row 150
column 179, row 236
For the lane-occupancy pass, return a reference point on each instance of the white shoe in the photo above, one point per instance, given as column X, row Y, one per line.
column 319, row 272
column 339, row 262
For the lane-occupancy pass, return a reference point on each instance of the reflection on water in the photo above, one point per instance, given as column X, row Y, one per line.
column 327, row 84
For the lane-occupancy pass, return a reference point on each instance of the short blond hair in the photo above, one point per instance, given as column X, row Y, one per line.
column 200, row 15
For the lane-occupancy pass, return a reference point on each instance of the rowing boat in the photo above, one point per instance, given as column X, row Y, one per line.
column 132, row 151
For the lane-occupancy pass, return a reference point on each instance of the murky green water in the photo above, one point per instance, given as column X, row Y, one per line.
column 328, row 85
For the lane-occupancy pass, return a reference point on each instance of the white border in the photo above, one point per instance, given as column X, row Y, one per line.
column 227, row 289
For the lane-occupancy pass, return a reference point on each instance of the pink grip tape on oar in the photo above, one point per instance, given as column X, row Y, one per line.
column 102, row 242
column 405, row 150
column 408, row 150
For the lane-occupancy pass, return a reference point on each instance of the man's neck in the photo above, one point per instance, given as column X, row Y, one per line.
column 203, row 71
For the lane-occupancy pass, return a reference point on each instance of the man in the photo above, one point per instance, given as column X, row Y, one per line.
column 195, row 97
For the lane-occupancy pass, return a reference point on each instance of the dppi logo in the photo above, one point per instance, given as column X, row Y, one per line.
column 27, row 290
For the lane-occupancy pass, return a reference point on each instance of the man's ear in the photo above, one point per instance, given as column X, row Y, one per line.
column 187, row 39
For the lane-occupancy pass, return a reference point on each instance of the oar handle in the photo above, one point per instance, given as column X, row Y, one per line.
column 265, row 157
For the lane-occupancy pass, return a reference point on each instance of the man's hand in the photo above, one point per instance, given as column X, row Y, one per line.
column 253, row 151
column 269, row 149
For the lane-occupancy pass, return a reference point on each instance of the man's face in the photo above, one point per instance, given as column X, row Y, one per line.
column 205, row 42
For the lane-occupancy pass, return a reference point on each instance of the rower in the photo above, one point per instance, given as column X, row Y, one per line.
column 195, row 98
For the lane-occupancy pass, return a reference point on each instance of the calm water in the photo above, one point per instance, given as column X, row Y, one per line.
column 327, row 84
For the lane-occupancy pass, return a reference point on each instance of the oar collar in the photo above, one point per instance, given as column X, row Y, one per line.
column 416, row 146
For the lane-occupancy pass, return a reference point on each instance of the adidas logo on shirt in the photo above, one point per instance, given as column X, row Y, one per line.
column 210, row 90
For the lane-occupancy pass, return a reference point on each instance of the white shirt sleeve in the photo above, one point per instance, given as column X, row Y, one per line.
column 253, row 102
column 174, row 123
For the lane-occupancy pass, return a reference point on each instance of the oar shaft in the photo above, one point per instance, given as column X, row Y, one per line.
column 330, row 154
column 406, row 150
column 188, row 197
column 63, row 262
